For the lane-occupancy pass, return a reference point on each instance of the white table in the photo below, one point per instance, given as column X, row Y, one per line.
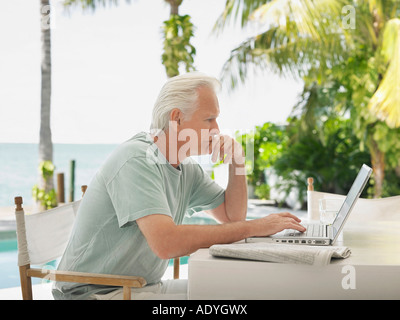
column 371, row 272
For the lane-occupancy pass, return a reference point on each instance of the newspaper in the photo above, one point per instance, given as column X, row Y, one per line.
column 271, row 252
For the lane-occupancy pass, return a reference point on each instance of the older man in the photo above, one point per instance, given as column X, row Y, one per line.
column 130, row 220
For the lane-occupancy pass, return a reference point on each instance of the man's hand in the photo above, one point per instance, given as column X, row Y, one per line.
column 228, row 149
column 276, row 222
column 231, row 152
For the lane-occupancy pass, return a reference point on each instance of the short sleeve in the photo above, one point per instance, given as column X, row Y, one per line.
column 136, row 191
column 206, row 193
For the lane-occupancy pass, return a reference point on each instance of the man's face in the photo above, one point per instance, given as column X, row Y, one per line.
column 197, row 132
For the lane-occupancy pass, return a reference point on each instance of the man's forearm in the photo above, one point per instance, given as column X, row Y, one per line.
column 236, row 194
column 185, row 239
column 168, row 240
column 190, row 238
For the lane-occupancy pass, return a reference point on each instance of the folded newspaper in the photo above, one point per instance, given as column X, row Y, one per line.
column 260, row 251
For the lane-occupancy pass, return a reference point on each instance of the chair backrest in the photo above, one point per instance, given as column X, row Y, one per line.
column 43, row 236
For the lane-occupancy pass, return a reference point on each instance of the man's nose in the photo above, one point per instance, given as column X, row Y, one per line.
column 215, row 127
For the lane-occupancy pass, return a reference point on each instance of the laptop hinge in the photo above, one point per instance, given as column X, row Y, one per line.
column 328, row 231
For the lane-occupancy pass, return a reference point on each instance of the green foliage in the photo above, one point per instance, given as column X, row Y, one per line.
column 46, row 169
column 385, row 103
column 48, row 199
column 177, row 33
column 391, row 185
column 329, row 152
column 262, row 191
column 332, row 158
column 359, row 76
column 268, row 142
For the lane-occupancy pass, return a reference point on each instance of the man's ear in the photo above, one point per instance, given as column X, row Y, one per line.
column 176, row 115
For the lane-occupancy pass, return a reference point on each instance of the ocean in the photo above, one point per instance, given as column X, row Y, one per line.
column 19, row 167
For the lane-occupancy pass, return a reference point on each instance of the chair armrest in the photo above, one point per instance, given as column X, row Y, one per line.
column 88, row 278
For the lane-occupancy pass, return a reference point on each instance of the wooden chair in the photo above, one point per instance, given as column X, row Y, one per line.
column 40, row 241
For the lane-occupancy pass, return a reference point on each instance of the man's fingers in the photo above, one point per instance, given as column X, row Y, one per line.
column 215, row 150
column 228, row 152
column 289, row 215
column 280, row 221
column 220, row 148
column 292, row 222
column 227, row 149
column 297, row 226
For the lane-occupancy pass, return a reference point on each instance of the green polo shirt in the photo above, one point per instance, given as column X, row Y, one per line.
column 135, row 181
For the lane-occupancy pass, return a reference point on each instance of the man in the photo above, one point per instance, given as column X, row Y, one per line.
column 129, row 222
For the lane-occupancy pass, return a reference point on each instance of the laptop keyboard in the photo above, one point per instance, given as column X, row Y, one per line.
column 313, row 230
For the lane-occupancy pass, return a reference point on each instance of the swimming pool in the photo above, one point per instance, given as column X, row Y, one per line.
column 9, row 276
column 9, row 272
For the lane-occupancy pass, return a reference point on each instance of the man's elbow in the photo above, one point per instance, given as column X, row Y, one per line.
column 235, row 215
column 163, row 253
column 164, row 249
column 238, row 218
column 161, row 235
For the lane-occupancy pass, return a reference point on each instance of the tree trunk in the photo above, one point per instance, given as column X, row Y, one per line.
column 397, row 171
column 377, row 156
column 45, row 142
column 174, row 6
column 378, row 166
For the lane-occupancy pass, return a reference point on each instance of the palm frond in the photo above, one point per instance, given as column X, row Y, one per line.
column 279, row 12
column 237, row 10
column 282, row 50
column 91, row 4
column 301, row 35
column 268, row 50
column 385, row 103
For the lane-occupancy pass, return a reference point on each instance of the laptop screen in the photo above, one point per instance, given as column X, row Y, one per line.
column 351, row 198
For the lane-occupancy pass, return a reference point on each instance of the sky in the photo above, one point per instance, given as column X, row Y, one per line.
column 107, row 71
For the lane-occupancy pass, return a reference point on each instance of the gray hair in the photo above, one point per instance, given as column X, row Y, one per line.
column 180, row 92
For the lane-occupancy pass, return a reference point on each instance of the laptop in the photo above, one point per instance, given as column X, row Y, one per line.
column 320, row 234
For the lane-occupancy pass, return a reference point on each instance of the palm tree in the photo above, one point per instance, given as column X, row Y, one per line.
column 313, row 41
column 45, row 141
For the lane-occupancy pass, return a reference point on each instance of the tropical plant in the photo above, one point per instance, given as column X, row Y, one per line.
column 353, row 44
column 46, row 199
column 178, row 31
